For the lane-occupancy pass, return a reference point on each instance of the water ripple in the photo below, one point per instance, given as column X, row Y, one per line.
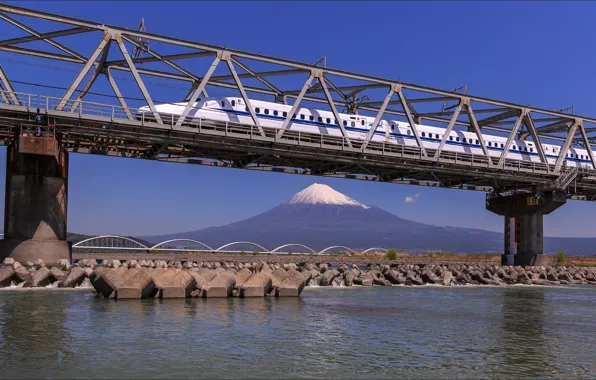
column 425, row 332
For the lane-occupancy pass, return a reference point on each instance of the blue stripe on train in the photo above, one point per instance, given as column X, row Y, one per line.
column 362, row 130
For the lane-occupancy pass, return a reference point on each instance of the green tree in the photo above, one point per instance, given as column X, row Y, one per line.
column 391, row 254
column 561, row 258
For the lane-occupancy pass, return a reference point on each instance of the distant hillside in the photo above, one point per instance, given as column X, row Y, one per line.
column 320, row 217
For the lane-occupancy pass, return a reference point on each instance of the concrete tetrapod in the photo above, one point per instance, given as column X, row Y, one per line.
column 5, row 276
column 75, row 277
column 39, row 278
column 202, row 278
column 178, row 285
column 221, row 286
column 242, row 276
column 258, row 285
column 139, row 285
column 292, row 285
column 110, row 280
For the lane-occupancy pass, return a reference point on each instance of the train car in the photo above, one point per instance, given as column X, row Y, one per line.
column 310, row 120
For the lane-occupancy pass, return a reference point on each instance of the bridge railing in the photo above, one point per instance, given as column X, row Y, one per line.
column 48, row 104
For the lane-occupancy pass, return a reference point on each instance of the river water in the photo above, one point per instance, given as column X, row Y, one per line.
column 393, row 332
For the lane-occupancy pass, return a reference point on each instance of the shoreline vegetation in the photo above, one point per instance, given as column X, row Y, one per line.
column 388, row 257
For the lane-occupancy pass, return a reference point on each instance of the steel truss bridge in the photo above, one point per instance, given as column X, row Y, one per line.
column 116, row 129
column 120, row 244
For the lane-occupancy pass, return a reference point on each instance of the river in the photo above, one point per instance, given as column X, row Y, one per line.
column 382, row 332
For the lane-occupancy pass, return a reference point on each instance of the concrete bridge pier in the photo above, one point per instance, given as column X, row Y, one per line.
column 524, row 233
column 36, row 200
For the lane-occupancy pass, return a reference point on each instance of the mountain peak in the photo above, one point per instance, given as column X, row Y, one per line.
column 322, row 194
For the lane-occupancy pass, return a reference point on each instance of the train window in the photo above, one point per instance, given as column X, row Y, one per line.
column 258, row 110
column 293, row 117
column 320, row 119
column 311, row 118
column 233, row 103
column 451, row 138
column 335, row 121
column 345, row 123
column 353, row 124
column 437, row 136
column 266, row 111
column 526, row 148
column 285, row 114
column 223, row 104
column 477, row 142
column 409, row 133
column 246, row 109
column 490, row 143
column 328, row 121
column 423, row 134
column 393, row 127
column 275, row 113
column 302, row 117
column 531, row 149
column 362, row 122
column 457, row 139
column 502, row 146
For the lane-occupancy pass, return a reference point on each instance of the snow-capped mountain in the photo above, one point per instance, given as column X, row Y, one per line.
column 319, row 217
column 318, row 194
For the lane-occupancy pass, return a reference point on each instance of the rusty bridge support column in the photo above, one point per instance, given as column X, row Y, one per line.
column 36, row 200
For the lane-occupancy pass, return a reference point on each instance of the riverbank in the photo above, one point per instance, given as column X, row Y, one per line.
column 358, row 259
column 222, row 279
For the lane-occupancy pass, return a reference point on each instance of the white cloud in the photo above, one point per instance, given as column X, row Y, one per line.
column 411, row 199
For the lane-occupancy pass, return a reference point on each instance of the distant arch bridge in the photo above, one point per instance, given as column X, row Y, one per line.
column 116, row 243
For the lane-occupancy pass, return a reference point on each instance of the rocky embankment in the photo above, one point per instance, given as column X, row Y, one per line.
column 177, row 279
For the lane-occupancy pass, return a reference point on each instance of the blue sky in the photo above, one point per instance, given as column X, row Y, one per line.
column 525, row 52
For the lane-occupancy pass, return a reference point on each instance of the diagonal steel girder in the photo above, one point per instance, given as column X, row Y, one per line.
column 375, row 125
column 511, row 137
column 138, row 79
column 405, row 106
column 33, row 32
column 502, row 116
column 295, row 106
column 58, row 33
column 587, row 143
column 118, row 94
column 476, row 128
column 173, row 65
column 197, row 91
column 79, row 78
column 8, row 88
column 321, row 79
column 227, row 57
column 529, row 124
column 449, row 129
column 98, row 69
column 254, row 74
column 566, row 146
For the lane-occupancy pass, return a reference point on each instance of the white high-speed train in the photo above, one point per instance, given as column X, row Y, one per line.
column 357, row 127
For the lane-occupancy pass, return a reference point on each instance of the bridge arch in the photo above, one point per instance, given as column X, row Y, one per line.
column 336, row 250
column 383, row 250
column 294, row 249
column 110, row 241
column 240, row 246
column 182, row 244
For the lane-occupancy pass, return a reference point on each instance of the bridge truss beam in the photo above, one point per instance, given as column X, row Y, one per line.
column 282, row 149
